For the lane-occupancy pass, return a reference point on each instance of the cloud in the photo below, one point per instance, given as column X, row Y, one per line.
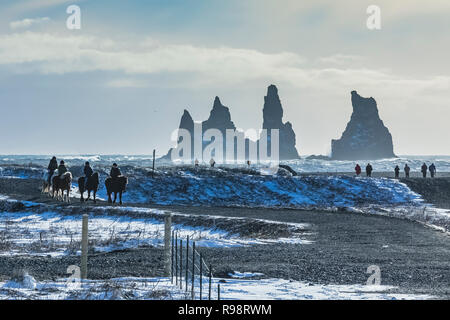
column 126, row 83
column 30, row 5
column 341, row 59
column 60, row 54
column 26, row 23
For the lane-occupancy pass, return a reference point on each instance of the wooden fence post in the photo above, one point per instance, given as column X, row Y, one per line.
column 210, row 276
column 153, row 167
column 176, row 259
column 181, row 264
column 167, row 236
column 193, row 271
column 84, row 246
column 172, row 256
column 187, row 263
column 201, row 276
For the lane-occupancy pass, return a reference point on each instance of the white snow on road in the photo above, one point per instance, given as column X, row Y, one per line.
column 162, row 288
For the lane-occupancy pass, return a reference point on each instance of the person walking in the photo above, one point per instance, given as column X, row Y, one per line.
column 212, row 162
column 432, row 169
column 369, row 170
column 357, row 170
column 424, row 170
column 397, row 172
column 407, row 170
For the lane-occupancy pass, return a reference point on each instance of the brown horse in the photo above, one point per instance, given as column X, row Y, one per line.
column 116, row 186
column 62, row 184
column 92, row 185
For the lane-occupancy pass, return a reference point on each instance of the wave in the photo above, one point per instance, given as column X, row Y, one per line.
column 301, row 165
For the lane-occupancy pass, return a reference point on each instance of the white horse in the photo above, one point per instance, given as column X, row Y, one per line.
column 45, row 188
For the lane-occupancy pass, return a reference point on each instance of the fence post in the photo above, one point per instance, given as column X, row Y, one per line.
column 84, row 246
column 167, row 238
column 181, row 264
column 187, row 263
column 210, row 276
column 153, row 167
column 176, row 259
column 172, row 256
column 201, row 275
column 193, row 271
column 218, row 291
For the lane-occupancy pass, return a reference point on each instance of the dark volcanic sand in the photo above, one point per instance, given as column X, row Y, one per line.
column 417, row 258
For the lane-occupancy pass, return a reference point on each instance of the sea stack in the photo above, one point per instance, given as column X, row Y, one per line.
column 187, row 123
column 220, row 119
column 273, row 119
column 365, row 137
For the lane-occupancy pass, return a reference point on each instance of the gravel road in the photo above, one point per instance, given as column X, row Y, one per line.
column 411, row 256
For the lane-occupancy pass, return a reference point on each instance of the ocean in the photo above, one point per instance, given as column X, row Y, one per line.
column 303, row 165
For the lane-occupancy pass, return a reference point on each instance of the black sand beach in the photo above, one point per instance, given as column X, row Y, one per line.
column 410, row 255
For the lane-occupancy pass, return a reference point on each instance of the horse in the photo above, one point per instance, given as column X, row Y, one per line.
column 45, row 188
column 92, row 185
column 63, row 184
column 116, row 186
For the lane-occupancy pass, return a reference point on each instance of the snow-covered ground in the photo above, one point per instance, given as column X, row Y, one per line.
column 162, row 288
column 51, row 233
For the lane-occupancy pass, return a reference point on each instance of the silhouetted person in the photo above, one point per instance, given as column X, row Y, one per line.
column 115, row 171
column 407, row 170
column 88, row 172
column 432, row 169
column 424, row 170
column 397, row 171
column 61, row 169
column 369, row 170
column 358, row 169
column 212, row 162
column 248, row 163
column 196, row 162
column 52, row 166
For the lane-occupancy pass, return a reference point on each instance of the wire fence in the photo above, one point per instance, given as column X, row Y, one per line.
column 189, row 270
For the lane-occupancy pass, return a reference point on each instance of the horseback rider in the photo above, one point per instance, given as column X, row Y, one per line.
column 52, row 166
column 88, row 172
column 115, row 171
column 62, row 169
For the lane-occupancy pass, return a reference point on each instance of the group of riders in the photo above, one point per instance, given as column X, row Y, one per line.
column 88, row 172
column 407, row 169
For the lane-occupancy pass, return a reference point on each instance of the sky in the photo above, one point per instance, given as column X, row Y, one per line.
column 119, row 84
